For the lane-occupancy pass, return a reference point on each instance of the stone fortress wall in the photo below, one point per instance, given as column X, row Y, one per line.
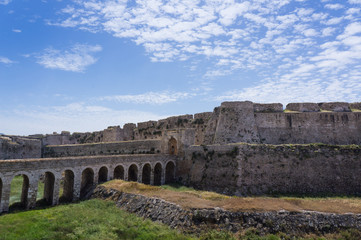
column 232, row 122
column 240, row 148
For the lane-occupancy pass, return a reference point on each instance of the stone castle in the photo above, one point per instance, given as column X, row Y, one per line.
column 241, row 148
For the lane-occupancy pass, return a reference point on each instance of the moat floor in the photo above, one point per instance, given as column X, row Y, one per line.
column 190, row 198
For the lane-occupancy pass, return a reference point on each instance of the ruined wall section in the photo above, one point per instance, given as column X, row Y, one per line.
column 112, row 148
column 111, row 134
column 211, row 168
column 312, row 169
column 330, row 123
column 309, row 127
column 236, row 123
column 258, row 169
column 12, row 147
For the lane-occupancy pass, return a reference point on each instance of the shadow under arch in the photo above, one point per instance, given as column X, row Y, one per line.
column 103, row 174
column 146, row 173
column 15, row 201
column 68, row 186
column 133, row 173
column 119, row 172
column 170, row 172
column 158, row 174
column 87, row 183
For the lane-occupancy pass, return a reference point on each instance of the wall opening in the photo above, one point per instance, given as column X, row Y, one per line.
column 169, row 173
column 49, row 180
column 158, row 174
column 146, row 174
column 119, row 172
column 133, row 173
column 172, row 146
column 66, row 186
column 19, row 189
column 103, row 175
column 87, row 183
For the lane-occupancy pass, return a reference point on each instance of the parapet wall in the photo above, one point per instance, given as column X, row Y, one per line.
column 12, row 147
column 112, row 148
column 258, row 169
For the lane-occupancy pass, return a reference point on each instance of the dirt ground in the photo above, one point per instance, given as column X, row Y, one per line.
column 190, row 198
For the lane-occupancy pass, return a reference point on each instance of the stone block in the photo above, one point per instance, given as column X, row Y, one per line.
column 269, row 107
column 335, row 106
column 356, row 105
column 303, row 107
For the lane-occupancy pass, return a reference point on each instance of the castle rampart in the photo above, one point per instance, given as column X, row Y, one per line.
column 262, row 169
column 240, row 148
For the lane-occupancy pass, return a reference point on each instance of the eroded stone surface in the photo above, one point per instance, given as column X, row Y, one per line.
column 197, row 220
column 303, row 107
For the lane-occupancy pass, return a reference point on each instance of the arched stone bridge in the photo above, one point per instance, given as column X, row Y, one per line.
column 76, row 175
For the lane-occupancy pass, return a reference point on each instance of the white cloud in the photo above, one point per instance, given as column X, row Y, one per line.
column 75, row 59
column 16, row 30
column 354, row 1
column 328, row 31
column 351, row 29
column 149, row 97
column 6, row 60
column 5, row 2
column 237, row 38
column 335, row 6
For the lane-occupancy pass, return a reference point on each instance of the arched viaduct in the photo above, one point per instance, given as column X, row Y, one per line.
column 76, row 175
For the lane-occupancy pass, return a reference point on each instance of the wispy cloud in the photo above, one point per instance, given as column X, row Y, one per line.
column 75, row 59
column 5, row 2
column 69, row 117
column 284, row 44
column 149, row 97
column 6, row 60
column 16, row 30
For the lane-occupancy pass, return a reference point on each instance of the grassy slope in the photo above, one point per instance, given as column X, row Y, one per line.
column 93, row 219
column 190, row 198
column 96, row 219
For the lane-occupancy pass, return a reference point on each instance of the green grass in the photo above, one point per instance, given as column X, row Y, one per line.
column 16, row 188
column 177, row 187
column 93, row 219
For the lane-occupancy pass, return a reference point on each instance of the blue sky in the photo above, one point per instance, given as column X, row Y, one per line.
column 85, row 65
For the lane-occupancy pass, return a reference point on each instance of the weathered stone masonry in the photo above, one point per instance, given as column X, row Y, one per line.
column 80, row 173
column 240, row 148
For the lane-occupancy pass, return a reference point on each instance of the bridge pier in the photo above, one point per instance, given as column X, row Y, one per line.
column 5, row 196
column 152, row 176
column 162, row 182
column 29, row 197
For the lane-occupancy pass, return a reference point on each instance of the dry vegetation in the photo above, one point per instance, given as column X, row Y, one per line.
column 190, row 198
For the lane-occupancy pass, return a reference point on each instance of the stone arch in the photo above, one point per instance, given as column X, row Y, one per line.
column 23, row 200
column 172, row 146
column 103, row 174
column 133, row 173
column 119, row 172
column 87, row 183
column 158, row 174
column 49, row 181
column 68, row 186
column 170, row 172
column 146, row 173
